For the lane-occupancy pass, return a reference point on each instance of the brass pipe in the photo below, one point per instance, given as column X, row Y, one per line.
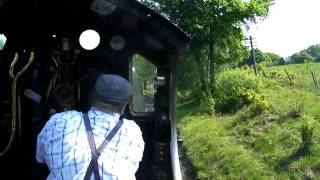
column 14, row 100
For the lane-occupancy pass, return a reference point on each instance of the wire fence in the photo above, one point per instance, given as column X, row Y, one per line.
column 305, row 77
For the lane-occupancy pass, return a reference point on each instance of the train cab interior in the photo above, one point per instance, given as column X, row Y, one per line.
column 45, row 69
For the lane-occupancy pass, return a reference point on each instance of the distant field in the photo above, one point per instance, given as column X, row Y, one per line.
column 300, row 73
column 303, row 90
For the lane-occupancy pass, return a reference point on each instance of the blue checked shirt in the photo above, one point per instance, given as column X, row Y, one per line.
column 63, row 146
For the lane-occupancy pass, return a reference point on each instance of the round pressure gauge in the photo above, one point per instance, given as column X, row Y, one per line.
column 117, row 42
column 89, row 39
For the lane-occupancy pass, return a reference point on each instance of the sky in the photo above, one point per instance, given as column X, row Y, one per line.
column 292, row 25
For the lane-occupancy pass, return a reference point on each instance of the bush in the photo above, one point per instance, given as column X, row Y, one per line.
column 296, row 109
column 259, row 105
column 206, row 103
column 184, row 96
column 236, row 88
column 307, row 132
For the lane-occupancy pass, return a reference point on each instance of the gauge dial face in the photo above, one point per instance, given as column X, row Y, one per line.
column 89, row 39
column 117, row 42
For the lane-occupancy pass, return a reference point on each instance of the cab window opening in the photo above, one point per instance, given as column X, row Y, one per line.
column 3, row 40
column 143, row 74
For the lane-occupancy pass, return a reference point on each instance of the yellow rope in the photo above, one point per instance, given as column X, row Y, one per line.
column 14, row 99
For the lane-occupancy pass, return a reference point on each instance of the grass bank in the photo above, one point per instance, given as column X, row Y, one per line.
column 245, row 145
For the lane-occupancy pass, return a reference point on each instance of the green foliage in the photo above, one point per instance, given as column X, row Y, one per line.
column 262, row 57
column 311, row 54
column 300, row 97
column 278, row 141
column 275, row 58
column 301, row 57
column 280, row 62
column 215, row 154
column 307, row 132
column 146, row 70
column 187, row 77
column 236, row 88
column 206, row 103
column 296, row 109
column 215, row 26
column 184, row 96
column 265, row 59
column 300, row 74
column 260, row 105
column 314, row 51
column 277, row 75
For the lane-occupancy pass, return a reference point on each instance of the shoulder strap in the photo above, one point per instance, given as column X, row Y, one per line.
column 93, row 166
column 93, row 148
column 110, row 136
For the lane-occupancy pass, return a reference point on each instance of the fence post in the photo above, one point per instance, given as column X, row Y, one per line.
column 264, row 73
column 314, row 79
column 288, row 75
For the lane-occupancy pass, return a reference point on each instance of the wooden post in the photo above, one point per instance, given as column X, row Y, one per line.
column 264, row 73
column 253, row 56
column 288, row 75
column 314, row 79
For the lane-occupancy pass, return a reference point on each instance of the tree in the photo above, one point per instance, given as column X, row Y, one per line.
column 275, row 58
column 145, row 69
column 262, row 57
column 314, row 51
column 215, row 27
column 281, row 61
column 186, row 74
column 301, row 57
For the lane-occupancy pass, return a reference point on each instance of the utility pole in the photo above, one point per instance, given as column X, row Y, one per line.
column 253, row 59
column 252, row 53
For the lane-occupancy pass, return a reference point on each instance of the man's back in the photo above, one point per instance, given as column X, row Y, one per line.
column 63, row 145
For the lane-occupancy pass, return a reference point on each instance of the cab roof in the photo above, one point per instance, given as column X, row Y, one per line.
column 30, row 24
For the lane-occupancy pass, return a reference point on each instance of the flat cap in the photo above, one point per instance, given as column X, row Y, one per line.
column 112, row 88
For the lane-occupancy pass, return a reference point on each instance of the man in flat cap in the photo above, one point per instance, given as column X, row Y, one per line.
column 97, row 144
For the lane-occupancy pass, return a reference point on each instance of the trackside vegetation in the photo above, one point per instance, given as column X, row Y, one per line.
column 271, row 129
